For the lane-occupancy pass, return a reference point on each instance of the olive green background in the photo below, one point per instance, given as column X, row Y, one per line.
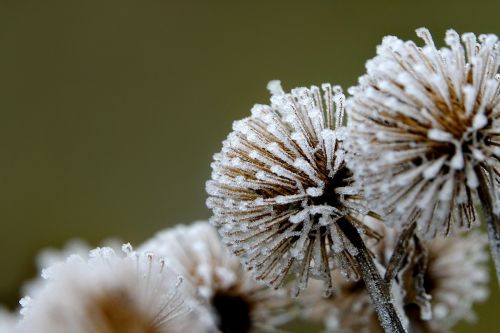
column 110, row 111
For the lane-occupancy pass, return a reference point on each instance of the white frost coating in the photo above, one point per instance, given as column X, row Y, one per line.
column 138, row 287
column 196, row 252
column 439, row 135
column 435, row 109
column 301, row 216
column 479, row 121
column 472, row 180
column 434, row 168
column 457, row 161
column 314, row 191
column 446, row 193
column 274, row 205
column 274, row 87
column 305, row 167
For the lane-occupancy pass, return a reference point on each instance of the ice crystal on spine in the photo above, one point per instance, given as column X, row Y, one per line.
column 237, row 302
column 108, row 293
column 280, row 185
column 424, row 127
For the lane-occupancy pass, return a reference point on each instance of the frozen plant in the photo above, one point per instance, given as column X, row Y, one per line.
column 425, row 138
column 283, row 198
column 110, row 293
column 236, row 301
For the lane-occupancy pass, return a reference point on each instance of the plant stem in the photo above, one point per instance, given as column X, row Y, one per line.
column 377, row 288
column 400, row 253
column 492, row 218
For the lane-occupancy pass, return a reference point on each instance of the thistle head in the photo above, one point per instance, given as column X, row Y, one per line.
column 424, row 129
column 280, row 186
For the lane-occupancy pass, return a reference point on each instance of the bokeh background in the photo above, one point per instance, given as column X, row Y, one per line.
column 110, row 110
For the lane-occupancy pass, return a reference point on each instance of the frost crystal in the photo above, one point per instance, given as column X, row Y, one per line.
column 424, row 126
column 238, row 302
column 107, row 293
column 280, row 185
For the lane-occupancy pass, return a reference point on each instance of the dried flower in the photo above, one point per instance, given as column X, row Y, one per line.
column 109, row 293
column 424, row 125
column 280, row 187
column 455, row 277
column 237, row 302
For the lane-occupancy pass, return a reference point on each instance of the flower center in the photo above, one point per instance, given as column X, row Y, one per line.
column 233, row 313
column 116, row 312
column 329, row 196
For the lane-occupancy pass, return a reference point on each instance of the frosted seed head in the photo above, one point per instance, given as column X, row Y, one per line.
column 423, row 107
column 139, row 287
column 276, row 186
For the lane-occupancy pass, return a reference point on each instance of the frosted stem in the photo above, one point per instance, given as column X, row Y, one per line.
column 399, row 253
column 377, row 288
column 492, row 219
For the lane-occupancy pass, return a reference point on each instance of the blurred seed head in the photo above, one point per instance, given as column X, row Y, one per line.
column 237, row 303
column 109, row 292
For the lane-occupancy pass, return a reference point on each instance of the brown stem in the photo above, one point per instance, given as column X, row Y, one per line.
column 492, row 218
column 400, row 253
column 377, row 288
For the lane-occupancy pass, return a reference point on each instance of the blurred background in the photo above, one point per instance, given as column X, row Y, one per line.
column 110, row 111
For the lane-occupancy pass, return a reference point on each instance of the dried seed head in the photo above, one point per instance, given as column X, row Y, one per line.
column 280, row 185
column 455, row 277
column 109, row 292
column 424, row 126
column 237, row 302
